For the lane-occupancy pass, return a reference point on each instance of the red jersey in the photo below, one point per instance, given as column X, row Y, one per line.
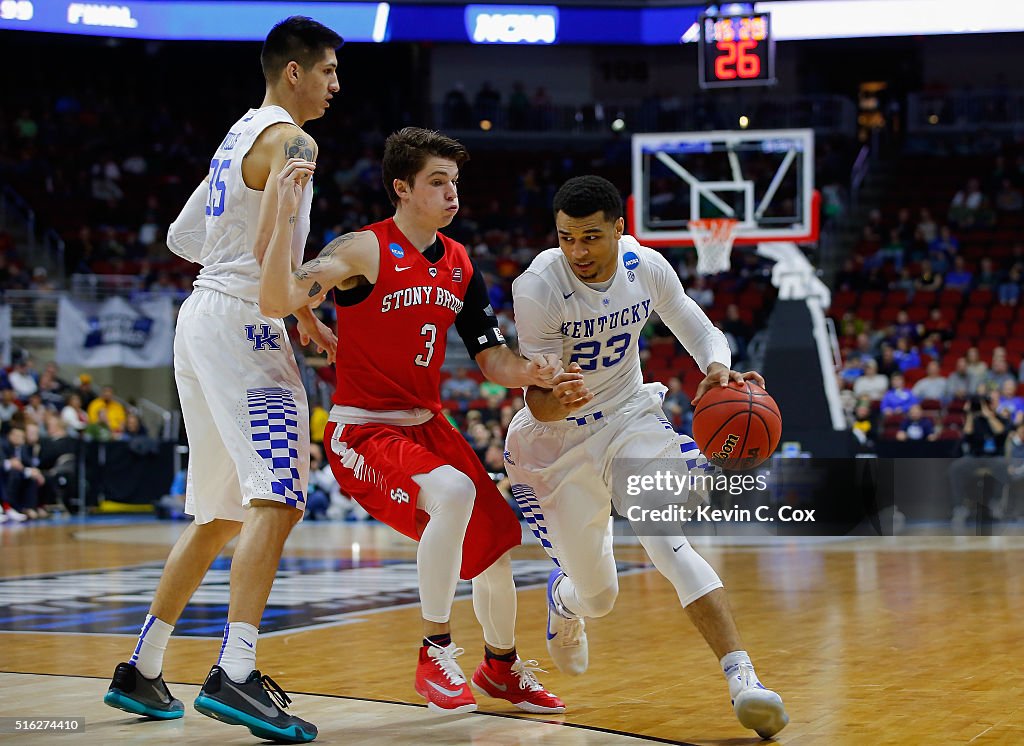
column 391, row 344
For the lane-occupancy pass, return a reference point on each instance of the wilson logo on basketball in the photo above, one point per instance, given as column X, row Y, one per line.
column 727, row 448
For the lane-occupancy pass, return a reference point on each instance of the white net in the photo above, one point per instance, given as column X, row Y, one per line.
column 713, row 239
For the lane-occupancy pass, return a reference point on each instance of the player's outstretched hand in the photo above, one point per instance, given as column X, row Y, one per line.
column 570, row 390
column 290, row 183
column 719, row 375
column 545, row 369
column 313, row 329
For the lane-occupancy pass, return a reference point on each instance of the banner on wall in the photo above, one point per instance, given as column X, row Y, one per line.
column 114, row 332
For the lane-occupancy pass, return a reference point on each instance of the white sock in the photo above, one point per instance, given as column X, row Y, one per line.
column 566, row 597
column 738, row 679
column 238, row 651
column 148, row 657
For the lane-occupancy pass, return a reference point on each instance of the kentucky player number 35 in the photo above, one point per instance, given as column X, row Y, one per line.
column 736, row 50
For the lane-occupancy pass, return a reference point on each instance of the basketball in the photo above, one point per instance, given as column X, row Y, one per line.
column 737, row 427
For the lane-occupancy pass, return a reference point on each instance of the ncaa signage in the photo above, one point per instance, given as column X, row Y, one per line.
column 512, row 24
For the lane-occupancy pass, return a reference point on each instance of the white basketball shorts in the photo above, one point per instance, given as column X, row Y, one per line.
column 244, row 408
column 567, row 475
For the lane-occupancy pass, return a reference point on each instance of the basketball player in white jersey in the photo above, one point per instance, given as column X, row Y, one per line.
column 241, row 396
column 587, row 302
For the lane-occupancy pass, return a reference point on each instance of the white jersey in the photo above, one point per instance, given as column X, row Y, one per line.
column 233, row 210
column 557, row 313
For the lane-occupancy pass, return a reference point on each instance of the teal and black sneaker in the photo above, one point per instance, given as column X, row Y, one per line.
column 132, row 692
column 250, row 704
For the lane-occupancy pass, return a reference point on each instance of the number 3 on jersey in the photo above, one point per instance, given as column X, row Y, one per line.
column 588, row 353
column 430, row 332
column 215, row 200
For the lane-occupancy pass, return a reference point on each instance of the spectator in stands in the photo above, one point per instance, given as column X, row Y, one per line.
column 1008, row 290
column 1009, row 197
column 863, row 425
column 1011, row 406
column 917, row 426
column 676, row 406
column 853, row 369
column 85, row 389
column 907, row 356
column 22, row 478
column 700, row 292
column 105, row 409
column 892, row 251
column 998, row 375
column 460, row 387
column 928, row 280
column 848, row 278
column 943, row 249
column 958, row 383
column 22, row 378
column 51, row 388
column 977, row 369
column 933, row 385
column 927, row 228
column 966, row 205
column 897, row 400
column 887, row 362
column 959, row 277
column 74, row 417
column 34, row 410
column 319, row 497
column 9, row 408
column 988, row 277
column 872, row 384
column 932, row 345
column 457, row 114
column 984, row 442
column 487, row 103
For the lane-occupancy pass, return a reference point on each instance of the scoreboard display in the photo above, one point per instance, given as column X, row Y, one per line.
column 736, row 50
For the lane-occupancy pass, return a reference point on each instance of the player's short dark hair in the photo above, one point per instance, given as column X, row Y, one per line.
column 406, row 152
column 584, row 195
column 296, row 38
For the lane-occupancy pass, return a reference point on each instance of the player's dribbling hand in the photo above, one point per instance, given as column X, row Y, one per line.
column 570, row 390
column 545, row 369
column 719, row 375
column 290, row 183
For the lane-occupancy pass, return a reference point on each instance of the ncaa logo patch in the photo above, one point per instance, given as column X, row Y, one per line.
column 396, row 251
column 630, row 260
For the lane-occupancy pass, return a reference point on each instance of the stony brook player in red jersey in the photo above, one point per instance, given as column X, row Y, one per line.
column 399, row 286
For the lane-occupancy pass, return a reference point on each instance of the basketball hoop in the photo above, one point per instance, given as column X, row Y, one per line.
column 713, row 239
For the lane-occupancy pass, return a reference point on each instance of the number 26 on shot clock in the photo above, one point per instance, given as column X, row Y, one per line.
column 736, row 50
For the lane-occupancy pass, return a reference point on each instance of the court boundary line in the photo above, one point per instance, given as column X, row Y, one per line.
column 596, row 728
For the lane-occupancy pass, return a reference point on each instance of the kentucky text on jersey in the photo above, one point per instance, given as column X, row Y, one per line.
column 417, row 296
column 635, row 314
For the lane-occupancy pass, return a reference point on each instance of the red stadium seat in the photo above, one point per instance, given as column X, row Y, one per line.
column 974, row 313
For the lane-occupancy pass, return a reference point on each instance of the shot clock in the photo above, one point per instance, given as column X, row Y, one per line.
column 736, row 50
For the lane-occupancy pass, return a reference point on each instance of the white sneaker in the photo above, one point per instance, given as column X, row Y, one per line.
column 3, row 517
column 567, row 637
column 756, row 707
column 15, row 517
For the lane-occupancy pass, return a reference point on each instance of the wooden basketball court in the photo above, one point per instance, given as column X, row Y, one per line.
column 894, row 640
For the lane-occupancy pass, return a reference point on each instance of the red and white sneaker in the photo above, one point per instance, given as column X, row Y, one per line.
column 440, row 680
column 516, row 683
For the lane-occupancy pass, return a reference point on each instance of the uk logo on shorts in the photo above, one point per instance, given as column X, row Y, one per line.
column 396, row 251
column 264, row 339
column 630, row 260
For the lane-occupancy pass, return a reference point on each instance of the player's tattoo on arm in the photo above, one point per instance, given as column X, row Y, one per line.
column 315, row 289
column 313, row 266
column 298, row 147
